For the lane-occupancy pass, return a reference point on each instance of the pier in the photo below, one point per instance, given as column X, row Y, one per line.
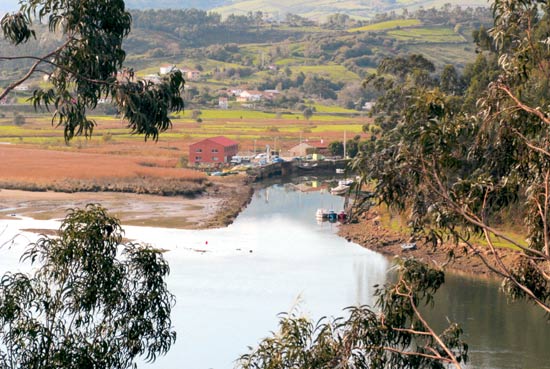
column 291, row 168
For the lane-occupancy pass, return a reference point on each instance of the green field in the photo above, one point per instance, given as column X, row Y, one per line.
column 387, row 25
column 335, row 72
column 427, row 35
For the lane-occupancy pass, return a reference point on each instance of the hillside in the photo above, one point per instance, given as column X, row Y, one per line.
column 320, row 9
column 307, row 63
column 175, row 4
column 314, row 9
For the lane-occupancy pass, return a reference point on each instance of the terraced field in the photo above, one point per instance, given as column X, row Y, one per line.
column 427, row 35
column 387, row 25
column 249, row 128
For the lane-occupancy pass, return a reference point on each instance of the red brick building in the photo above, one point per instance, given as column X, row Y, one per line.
column 215, row 150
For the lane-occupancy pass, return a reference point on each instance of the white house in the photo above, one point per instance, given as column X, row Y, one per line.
column 223, row 103
column 166, row 68
column 249, row 96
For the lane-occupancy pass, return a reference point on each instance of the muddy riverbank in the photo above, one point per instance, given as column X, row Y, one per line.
column 371, row 233
column 215, row 207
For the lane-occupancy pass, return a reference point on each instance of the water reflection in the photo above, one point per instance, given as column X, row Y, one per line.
column 501, row 334
column 273, row 258
column 231, row 283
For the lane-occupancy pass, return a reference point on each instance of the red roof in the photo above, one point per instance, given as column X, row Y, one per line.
column 221, row 140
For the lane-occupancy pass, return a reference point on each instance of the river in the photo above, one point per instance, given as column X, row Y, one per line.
column 231, row 283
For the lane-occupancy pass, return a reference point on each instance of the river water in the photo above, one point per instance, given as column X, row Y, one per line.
column 231, row 283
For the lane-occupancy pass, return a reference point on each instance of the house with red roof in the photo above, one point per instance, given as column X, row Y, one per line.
column 214, row 150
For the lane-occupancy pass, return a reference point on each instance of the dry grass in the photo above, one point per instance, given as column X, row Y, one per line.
column 41, row 170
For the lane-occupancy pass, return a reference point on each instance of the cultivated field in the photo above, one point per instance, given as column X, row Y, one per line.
column 35, row 156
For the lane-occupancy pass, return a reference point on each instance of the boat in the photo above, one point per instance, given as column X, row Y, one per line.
column 408, row 246
column 341, row 189
column 307, row 166
column 321, row 214
column 345, row 182
column 340, row 170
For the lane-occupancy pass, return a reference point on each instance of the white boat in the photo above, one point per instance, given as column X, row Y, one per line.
column 341, row 189
column 408, row 246
column 321, row 214
column 345, row 182
column 340, row 170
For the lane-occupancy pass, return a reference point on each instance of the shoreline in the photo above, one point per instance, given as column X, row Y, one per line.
column 370, row 233
column 224, row 199
column 216, row 207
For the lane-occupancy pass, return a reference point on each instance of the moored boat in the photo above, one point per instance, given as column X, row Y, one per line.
column 408, row 246
column 341, row 189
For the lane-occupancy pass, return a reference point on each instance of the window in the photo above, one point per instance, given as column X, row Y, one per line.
column 198, row 150
column 215, row 158
column 214, row 150
column 198, row 158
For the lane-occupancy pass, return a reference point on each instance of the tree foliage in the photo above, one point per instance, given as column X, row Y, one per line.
column 90, row 302
column 392, row 335
column 88, row 66
column 460, row 162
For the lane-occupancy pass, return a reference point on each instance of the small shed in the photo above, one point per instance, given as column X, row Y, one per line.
column 308, row 147
column 301, row 149
column 214, row 150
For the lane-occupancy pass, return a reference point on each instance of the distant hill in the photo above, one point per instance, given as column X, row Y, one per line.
column 175, row 4
column 10, row 5
column 314, row 9
column 320, row 9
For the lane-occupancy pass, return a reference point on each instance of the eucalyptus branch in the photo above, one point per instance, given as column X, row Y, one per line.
column 472, row 218
column 501, row 86
column 477, row 252
column 411, row 331
column 539, row 269
column 520, row 285
column 20, row 81
column 30, row 72
column 544, row 214
column 63, row 68
column 411, row 353
column 451, row 357
column 530, row 145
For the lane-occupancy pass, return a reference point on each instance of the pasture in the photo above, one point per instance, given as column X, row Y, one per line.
column 253, row 130
column 387, row 25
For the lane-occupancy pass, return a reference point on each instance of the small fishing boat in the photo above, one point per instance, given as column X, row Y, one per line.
column 307, row 166
column 345, row 182
column 341, row 189
column 321, row 214
column 408, row 246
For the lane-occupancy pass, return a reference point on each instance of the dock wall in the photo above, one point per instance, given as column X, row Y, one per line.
column 293, row 168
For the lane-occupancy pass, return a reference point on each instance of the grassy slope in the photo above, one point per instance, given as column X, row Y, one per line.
column 320, row 9
column 391, row 24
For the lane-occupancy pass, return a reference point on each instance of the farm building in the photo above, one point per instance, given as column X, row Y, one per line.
column 214, row 150
column 309, row 147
